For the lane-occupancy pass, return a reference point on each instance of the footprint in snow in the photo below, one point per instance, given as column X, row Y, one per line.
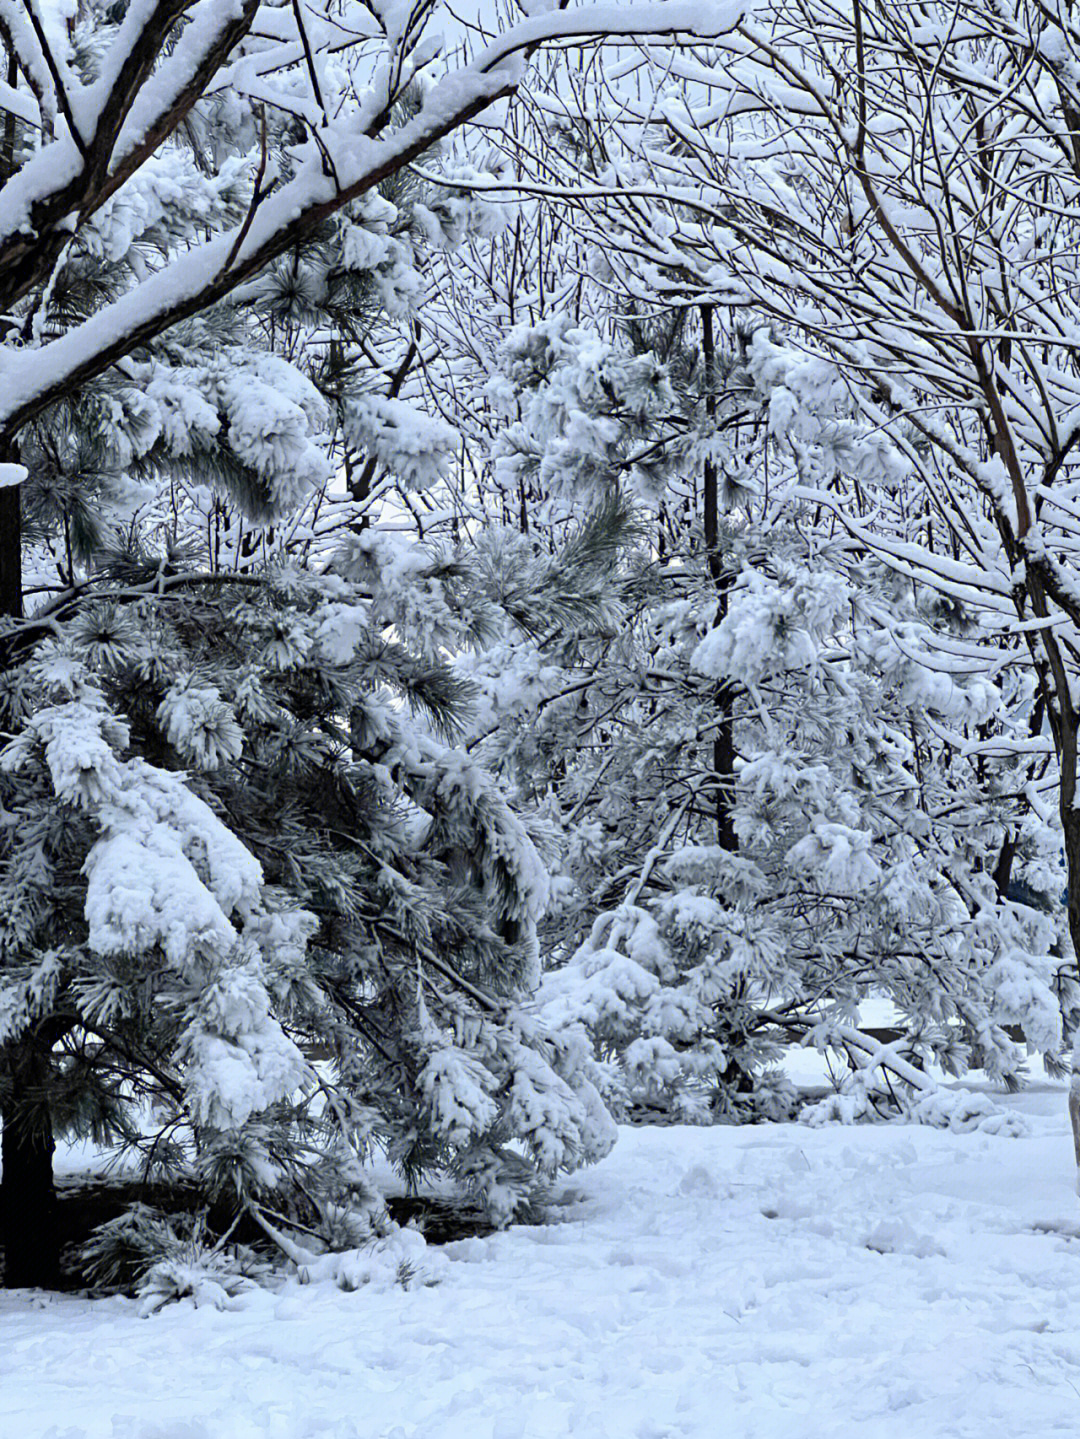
column 896, row 1236
column 699, row 1182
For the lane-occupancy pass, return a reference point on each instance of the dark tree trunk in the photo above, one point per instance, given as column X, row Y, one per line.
column 1003, row 869
column 11, row 579
column 28, row 1230
column 724, row 739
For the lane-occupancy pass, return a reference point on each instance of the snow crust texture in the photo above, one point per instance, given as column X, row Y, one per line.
column 895, row 1282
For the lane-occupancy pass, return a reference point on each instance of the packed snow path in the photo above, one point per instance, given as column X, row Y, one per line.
column 895, row 1282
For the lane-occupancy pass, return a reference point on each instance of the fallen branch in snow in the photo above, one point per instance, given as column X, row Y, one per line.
column 866, row 1042
column 301, row 1257
column 884, row 1056
column 958, row 1110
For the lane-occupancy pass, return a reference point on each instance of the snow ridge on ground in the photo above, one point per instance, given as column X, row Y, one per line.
column 896, row 1282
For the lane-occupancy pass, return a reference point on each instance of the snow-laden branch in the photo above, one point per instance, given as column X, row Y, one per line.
column 33, row 379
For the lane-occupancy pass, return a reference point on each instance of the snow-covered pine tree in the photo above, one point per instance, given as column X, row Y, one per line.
column 854, row 848
column 258, row 852
column 238, row 828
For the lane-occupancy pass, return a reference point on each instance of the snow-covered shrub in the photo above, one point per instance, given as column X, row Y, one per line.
column 868, row 1097
column 165, row 1257
column 400, row 1258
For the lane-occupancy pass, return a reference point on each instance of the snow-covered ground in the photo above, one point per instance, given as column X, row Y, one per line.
column 892, row 1282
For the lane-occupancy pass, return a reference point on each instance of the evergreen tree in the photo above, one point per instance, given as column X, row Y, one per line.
column 855, row 847
column 241, row 834
column 228, row 844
